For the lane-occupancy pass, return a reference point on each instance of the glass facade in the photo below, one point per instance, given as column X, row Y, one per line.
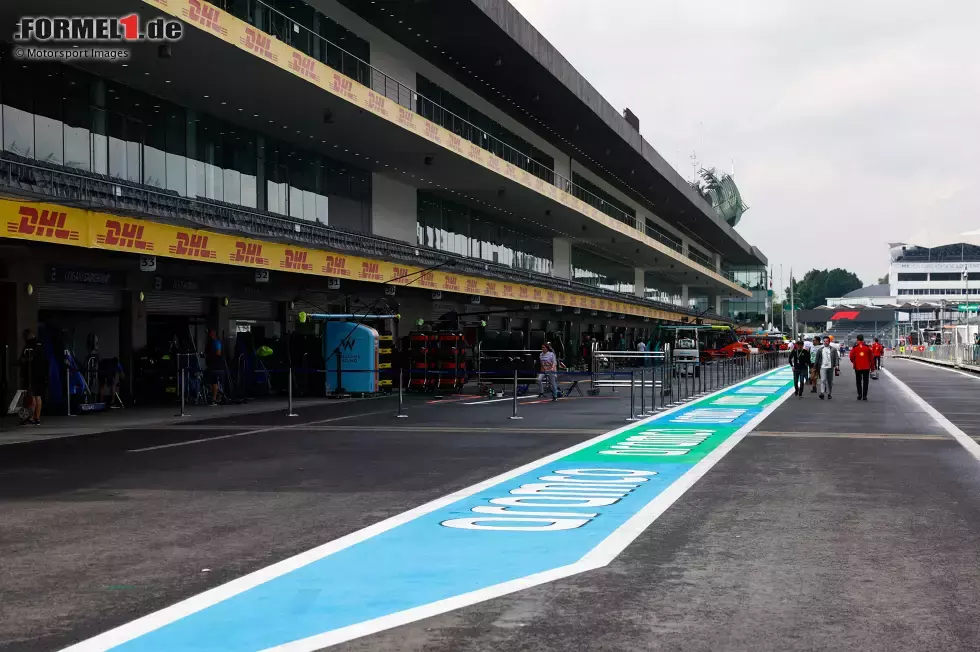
column 61, row 116
column 445, row 225
column 750, row 310
column 598, row 271
column 653, row 289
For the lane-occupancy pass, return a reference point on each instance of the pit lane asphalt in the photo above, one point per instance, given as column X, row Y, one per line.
column 95, row 535
column 838, row 525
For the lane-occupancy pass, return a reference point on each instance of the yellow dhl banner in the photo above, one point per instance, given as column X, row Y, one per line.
column 38, row 222
column 239, row 33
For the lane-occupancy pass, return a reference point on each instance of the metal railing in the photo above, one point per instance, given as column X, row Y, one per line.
column 954, row 355
column 101, row 192
column 321, row 48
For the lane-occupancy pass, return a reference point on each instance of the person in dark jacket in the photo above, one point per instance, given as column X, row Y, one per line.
column 799, row 360
column 33, row 377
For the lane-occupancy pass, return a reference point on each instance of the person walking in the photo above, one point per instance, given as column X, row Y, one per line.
column 641, row 348
column 33, row 378
column 862, row 357
column 828, row 361
column 549, row 367
column 799, row 360
column 814, row 369
column 877, row 350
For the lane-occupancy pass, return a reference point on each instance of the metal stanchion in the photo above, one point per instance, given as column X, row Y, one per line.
column 68, row 387
column 632, row 416
column 401, row 414
column 514, row 416
column 290, row 387
column 182, row 386
column 643, row 396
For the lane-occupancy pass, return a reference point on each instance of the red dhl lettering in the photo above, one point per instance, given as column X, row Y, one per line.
column 428, row 280
column 192, row 245
column 432, row 132
column 371, row 271
column 491, row 288
column 205, row 15
column 472, row 286
column 377, row 103
column 450, row 282
column 456, row 142
column 399, row 273
column 475, row 152
column 537, row 293
column 305, row 66
column 550, row 297
column 493, row 163
column 524, row 293
column 407, row 118
column 124, row 234
column 42, row 224
column 508, row 290
column 336, row 266
column 248, row 253
column 259, row 43
column 343, row 86
column 296, row 260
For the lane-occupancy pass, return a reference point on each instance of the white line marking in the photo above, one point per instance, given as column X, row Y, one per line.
column 964, row 440
column 930, row 365
column 156, row 620
column 253, row 432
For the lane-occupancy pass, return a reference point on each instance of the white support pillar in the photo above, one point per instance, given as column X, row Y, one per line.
column 640, row 282
column 685, row 295
column 562, row 257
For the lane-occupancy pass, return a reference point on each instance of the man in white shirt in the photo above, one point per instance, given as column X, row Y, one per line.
column 828, row 359
column 549, row 367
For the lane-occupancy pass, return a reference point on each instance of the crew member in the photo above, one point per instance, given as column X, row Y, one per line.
column 863, row 360
column 828, row 359
column 216, row 365
column 33, row 377
column 877, row 350
column 549, row 367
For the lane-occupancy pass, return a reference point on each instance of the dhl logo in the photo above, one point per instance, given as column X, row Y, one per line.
column 472, row 286
column 508, row 290
column 399, row 273
column 432, row 132
column 259, row 43
column 204, row 15
column 406, row 118
column 450, row 282
column 371, row 270
column 343, row 87
column 377, row 103
column 491, row 288
column 456, row 143
column 193, row 245
column 524, row 292
column 537, row 293
column 249, row 253
column 336, row 266
column 42, row 224
column 306, row 66
column 475, row 153
column 550, row 297
column 296, row 260
column 428, row 280
column 124, row 234
column 493, row 163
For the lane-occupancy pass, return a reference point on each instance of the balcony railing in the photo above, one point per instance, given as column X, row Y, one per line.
column 23, row 176
column 275, row 22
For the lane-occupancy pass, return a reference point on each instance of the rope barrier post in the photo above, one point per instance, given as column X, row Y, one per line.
column 632, row 416
column 182, row 388
column 67, row 386
column 401, row 405
column 514, row 415
column 290, row 413
column 643, row 396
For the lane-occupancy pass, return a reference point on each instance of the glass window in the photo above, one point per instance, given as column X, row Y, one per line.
column 77, row 135
column 18, row 131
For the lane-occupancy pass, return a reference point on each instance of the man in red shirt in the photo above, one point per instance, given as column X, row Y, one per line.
column 877, row 350
column 862, row 359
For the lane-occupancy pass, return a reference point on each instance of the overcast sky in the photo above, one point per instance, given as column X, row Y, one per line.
column 861, row 119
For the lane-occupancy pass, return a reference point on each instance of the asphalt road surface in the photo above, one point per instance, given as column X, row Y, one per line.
column 834, row 525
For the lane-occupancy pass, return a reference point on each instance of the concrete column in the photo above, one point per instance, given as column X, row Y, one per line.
column 562, row 256
column 394, row 209
column 685, row 294
column 717, row 258
column 640, row 281
column 714, row 303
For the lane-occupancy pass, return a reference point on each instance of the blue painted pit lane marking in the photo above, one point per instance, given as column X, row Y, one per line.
column 570, row 512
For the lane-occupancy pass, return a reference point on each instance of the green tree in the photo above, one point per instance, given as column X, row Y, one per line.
column 816, row 285
column 883, row 280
